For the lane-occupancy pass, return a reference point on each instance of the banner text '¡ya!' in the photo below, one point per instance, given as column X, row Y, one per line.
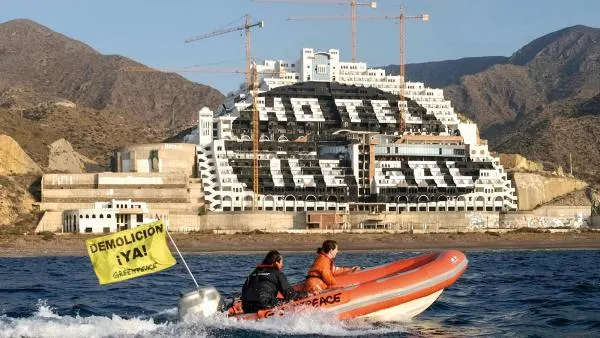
column 126, row 239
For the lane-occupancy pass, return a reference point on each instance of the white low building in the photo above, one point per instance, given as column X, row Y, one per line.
column 108, row 217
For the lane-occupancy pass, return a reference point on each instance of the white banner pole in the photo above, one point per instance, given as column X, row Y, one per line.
column 183, row 260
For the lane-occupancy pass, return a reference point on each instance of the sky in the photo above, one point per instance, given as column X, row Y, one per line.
column 152, row 32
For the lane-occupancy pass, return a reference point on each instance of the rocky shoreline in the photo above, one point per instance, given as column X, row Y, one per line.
column 74, row 245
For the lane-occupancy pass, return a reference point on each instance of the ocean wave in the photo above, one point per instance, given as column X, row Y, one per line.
column 502, row 293
column 47, row 323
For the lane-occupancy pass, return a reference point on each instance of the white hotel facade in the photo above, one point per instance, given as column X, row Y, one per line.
column 329, row 140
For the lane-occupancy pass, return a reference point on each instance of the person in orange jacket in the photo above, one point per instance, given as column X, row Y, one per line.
column 321, row 274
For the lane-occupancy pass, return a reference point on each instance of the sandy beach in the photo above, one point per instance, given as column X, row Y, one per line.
column 63, row 244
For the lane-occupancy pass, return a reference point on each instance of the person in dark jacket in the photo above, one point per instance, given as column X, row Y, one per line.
column 266, row 280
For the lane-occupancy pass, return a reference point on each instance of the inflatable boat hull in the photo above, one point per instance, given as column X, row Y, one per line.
column 396, row 291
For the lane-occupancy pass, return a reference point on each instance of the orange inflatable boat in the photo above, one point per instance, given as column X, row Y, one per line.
column 394, row 291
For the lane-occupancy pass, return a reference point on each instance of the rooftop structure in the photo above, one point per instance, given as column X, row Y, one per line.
column 151, row 181
column 327, row 67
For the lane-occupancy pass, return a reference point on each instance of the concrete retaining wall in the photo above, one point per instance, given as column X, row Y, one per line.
column 264, row 221
column 574, row 217
column 74, row 181
column 536, row 189
column 431, row 221
column 417, row 222
column 138, row 195
column 51, row 221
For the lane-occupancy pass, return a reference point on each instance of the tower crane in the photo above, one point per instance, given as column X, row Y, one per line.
column 353, row 4
column 246, row 28
column 200, row 69
column 252, row 86
column 401, row 18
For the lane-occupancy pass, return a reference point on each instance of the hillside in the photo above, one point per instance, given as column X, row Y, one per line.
column 18, row 172
column 112, row 107
column 92, row 133
column 13, row 160
column 497, row 95
column 542, row 102
column 62, row 101
column 17, row 213
column 440, row 74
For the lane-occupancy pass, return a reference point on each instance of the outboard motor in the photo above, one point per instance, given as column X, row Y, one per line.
column 204, row 301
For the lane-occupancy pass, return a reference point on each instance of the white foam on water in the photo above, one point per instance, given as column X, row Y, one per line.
column 310, row 322
column 45, row 323
column 169, row 313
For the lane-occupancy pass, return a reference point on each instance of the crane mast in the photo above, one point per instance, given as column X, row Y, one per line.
column 255, row 136
column 402, row 71
column 353, row 4
column 402, row 17
column 252, row 86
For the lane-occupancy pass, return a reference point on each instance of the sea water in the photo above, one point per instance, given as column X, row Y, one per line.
column 528, row 293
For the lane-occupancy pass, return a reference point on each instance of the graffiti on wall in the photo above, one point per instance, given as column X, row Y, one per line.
column 476, row 220
column 578, row 220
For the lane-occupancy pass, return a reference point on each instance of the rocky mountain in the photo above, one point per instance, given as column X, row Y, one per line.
column 17, row 213
column 440, row 74
column 63, row 158
column 542, row 102
column 13, row 160
column 64, row 107
column 17, row 173
column 590, row 107
column 54, row 87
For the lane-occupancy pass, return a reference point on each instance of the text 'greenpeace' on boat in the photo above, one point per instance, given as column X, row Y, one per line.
column 395, row 291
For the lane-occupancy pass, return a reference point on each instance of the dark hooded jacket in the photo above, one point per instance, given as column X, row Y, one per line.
column 261, row 288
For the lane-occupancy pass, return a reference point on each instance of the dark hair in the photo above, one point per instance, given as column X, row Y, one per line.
column 272, row 257
column 327, row 246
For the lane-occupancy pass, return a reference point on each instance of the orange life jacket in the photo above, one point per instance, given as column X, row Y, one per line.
column 321, row 274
